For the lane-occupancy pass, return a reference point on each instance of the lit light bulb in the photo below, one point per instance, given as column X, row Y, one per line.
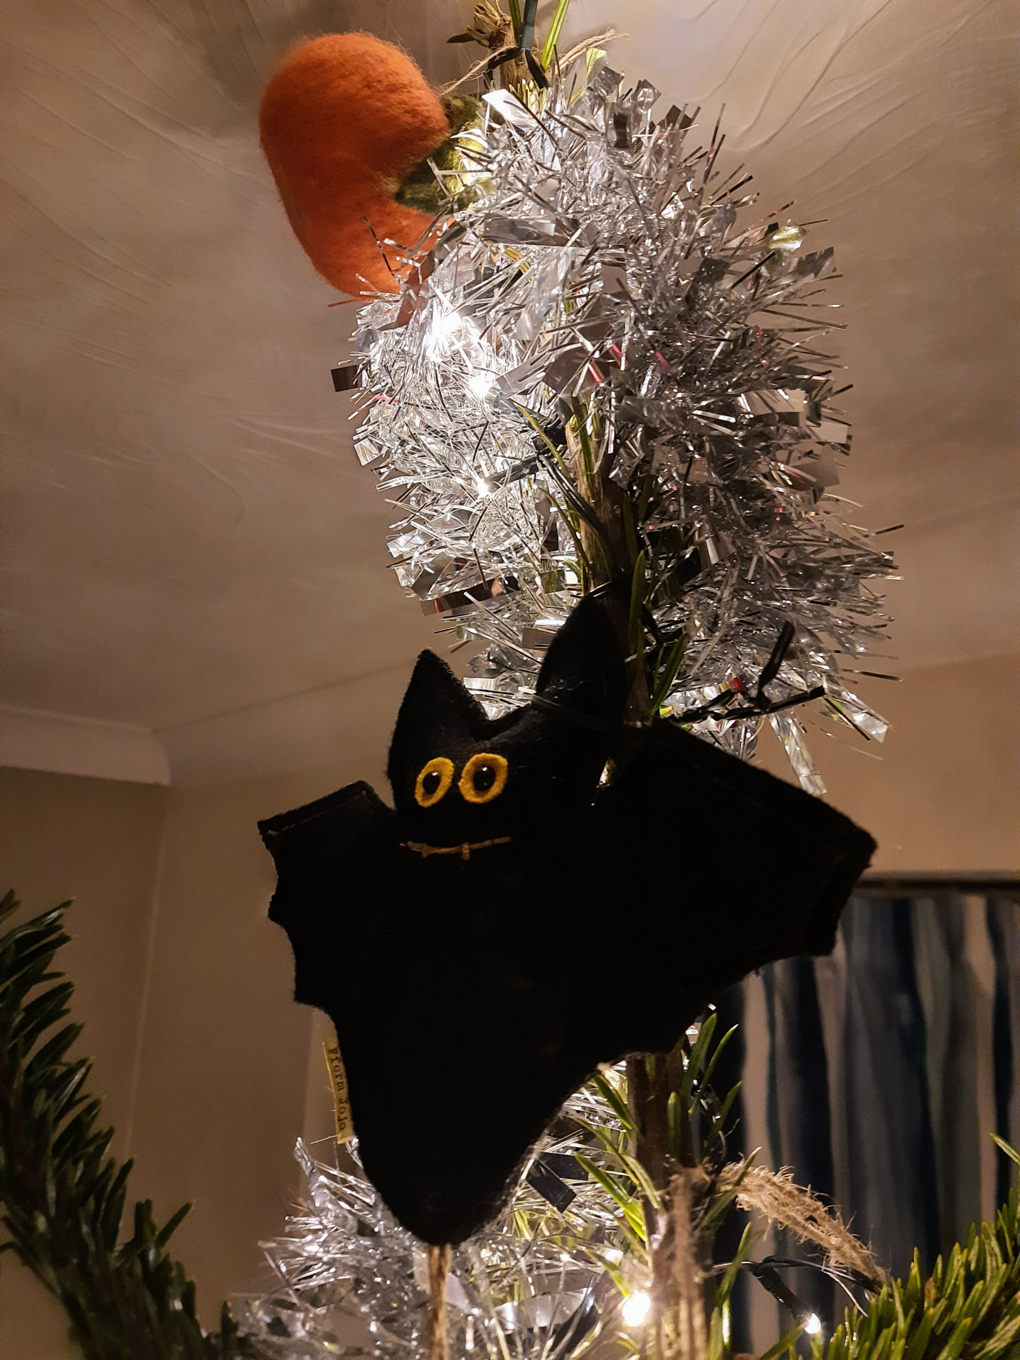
column 481, row 384
column 636, row 1309
column 445, row 325
column 441, row 329
column 813, row 1325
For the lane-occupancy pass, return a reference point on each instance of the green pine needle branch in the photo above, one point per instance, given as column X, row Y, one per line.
column 62, row 1196
column 968, row 1310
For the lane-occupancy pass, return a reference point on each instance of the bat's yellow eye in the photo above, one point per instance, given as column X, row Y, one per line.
column 483, row 778
column 433, row 782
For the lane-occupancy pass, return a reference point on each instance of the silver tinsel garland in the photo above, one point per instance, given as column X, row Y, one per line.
column 596, row 314
column 598, row 311
column 537, row 1284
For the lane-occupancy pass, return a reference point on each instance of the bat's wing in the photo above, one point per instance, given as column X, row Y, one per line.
column 720, row 868
column 326, row 853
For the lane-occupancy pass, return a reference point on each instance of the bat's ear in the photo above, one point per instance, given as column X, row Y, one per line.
column 583, row 668
column 437, row 712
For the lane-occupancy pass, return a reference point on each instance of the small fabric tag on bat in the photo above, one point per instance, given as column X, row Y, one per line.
column 341, row 1098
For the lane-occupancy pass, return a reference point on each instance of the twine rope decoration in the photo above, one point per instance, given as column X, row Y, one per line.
column 495, row 58
column 436, row 1333
column 774, row 1194
column 679, row 1274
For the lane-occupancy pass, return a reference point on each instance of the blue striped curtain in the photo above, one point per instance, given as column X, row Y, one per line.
column 878, row 1073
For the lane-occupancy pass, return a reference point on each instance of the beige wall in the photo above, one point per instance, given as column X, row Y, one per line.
column 181, row 979
column 225, row 1054
column 98, row 841
column 944, row 792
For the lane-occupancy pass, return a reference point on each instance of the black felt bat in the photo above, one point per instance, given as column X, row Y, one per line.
column 511, row 924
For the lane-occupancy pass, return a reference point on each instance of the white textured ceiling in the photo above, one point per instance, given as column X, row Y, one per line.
column 187, row 535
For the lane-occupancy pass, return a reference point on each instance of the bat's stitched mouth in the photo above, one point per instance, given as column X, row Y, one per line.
column 464, row 849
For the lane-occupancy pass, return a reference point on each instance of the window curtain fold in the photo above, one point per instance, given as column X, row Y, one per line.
column 892, row 1061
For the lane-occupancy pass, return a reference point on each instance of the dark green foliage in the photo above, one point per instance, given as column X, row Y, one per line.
column 62, row 1195
column 968, row 1310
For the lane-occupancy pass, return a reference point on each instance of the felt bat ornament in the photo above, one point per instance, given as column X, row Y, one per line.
column 348, row 125
column 512, row 922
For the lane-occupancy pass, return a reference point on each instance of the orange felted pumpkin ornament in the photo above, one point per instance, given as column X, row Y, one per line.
column 343, row 122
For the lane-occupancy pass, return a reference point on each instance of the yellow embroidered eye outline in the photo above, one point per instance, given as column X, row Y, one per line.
column 433, row 783
column 483, row 778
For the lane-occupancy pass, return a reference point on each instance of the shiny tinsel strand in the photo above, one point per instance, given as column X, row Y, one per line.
column 598, row 309
column 533, row 1285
